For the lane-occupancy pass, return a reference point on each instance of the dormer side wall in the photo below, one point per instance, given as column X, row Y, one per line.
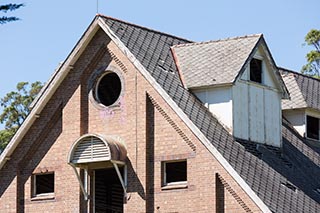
column 297, row 118
column 219, row 102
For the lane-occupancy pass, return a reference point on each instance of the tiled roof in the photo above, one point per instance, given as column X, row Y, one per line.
column 304, row 90
column 272, row 173
column 214, row 62
column 150, row 47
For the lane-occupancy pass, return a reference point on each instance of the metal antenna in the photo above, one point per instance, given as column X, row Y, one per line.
column 97, row 6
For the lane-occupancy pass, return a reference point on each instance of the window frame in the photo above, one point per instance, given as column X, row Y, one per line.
column 261, row 70
column 306, row 123
column 34, row 194
column 175, row 184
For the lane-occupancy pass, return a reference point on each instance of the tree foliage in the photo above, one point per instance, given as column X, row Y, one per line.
column 16, row 108
column 6, row 8
column 312, row 68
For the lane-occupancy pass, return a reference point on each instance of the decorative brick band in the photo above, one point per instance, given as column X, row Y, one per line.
column 95, row 60
column 117, row 60
column 233, row 193
column 173, row 124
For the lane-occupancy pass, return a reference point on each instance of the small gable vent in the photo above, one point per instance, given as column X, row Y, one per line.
column 91, row 149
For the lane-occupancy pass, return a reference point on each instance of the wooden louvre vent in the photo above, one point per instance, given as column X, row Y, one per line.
column 91, row 149
column 95, row 148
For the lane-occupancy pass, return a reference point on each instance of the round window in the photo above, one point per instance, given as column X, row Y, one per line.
column 108, row 89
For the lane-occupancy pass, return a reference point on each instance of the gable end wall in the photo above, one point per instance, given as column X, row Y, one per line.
column 70, row 113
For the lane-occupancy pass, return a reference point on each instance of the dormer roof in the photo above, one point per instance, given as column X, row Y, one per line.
column 220, row 62
column 304, row 90
column 213, row 62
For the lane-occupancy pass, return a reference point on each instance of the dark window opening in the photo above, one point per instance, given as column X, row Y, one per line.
column 256, row 70
column 109, row 193
column 109, row 89
column 43, row 184
column 312, row 127
column 175, row 172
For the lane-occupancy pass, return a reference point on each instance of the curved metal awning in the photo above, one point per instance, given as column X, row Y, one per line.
column 91, row 149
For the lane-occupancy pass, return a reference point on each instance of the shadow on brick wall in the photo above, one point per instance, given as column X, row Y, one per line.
column 134, row 184
column 30, row 158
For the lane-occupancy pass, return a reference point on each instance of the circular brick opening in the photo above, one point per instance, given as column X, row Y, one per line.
column 108, row 89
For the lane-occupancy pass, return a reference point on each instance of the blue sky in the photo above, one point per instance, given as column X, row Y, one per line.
column 32, row 48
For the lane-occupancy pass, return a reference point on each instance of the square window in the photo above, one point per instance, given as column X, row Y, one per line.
column 43, row 184
column 174, row 173
column 313, row 127
column 256, row 70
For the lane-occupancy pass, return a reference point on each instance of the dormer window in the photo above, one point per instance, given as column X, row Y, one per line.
column 256, row 70
column 313, row 130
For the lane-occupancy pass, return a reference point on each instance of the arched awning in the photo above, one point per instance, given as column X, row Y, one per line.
column 93, row 151
column 93, row 148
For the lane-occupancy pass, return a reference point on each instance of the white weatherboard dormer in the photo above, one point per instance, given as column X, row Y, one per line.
column 257, row 102
column 303, row 109
column 240, row 84
column 306, row 122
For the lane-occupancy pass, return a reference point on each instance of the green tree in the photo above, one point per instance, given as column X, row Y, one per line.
column 15, row 106
column 6, row 8
column 312, row 68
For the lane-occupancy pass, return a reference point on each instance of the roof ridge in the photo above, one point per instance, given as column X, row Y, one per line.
column 219, row 40
column 298, row 73
column 142, row 27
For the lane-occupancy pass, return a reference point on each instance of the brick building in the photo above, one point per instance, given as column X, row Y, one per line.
column 136, row 120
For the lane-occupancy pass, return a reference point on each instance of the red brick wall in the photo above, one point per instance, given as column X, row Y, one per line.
column 143, row 120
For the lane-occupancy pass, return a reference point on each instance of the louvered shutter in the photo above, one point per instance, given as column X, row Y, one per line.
column 91, row 149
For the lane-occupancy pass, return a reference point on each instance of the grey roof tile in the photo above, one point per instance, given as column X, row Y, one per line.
column 304, row 90
column 214, row 62
column 264, row 172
